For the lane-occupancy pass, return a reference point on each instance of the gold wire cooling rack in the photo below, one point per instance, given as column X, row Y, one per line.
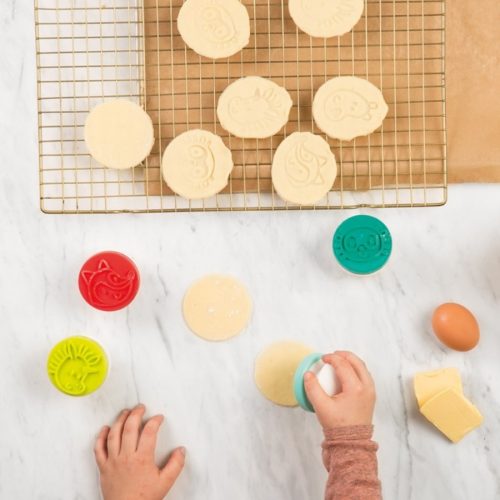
column 92, row 50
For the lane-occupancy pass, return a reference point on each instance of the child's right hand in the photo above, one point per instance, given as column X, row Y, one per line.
column 354, row 404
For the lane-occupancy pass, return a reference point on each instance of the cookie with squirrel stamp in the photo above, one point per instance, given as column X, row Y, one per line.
column 109, row 281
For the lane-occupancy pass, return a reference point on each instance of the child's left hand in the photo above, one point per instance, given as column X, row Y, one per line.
column 126, row 459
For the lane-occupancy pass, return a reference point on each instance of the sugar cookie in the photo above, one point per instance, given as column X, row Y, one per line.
column 347, row 107
column 254, row 107
column 214, row 28
column 326, row 18
column 304, row 168
column 217, row 307
column 197, row 164
column 119, row 134
column 275, row 369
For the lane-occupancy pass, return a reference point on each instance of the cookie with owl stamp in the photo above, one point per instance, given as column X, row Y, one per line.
column 214, row 28
column 197, row 164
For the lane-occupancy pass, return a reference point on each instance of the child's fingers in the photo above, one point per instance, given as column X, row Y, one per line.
column 115, row 434
column 173, row 467
column 315, row 393
column 359, row 366
column 346, row 375
column 149, row 435
column 100, row 448
column 131, row 429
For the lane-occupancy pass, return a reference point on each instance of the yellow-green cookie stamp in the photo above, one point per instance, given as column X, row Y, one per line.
column 77, row 366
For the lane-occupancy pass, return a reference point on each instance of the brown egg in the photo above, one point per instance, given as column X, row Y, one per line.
column 456, row 327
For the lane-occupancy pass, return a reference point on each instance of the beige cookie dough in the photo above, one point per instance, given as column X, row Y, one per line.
column 214, row 28
column 197, row 164
column 119, row 134
column 217, row 307
column 275, row 368
column 326, row 18
column 304, row 168
column 347, row 107
column 254, row 107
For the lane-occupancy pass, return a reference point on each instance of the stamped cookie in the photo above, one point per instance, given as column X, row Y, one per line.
column 254, row 107
column 197, row 164
column 326, row 18
column 304, row 168
column 347, row 107
column 214, row 28
column 119, row 134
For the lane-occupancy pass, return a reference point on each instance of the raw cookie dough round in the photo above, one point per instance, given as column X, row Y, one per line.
column 217, row 307
column 304, row 168
column 214, row 28
column 326, row 18
column 254, row 107
column 347, row 107
column 119, row 134
column 197, row 164
column 275, row 368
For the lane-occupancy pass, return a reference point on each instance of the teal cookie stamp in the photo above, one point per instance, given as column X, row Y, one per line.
column 362, row 244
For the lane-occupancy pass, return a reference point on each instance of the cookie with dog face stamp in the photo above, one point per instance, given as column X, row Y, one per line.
column 347, row 107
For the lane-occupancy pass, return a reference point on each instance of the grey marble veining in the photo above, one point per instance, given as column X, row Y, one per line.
column 239, row 445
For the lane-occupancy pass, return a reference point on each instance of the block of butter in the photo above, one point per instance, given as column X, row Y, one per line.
column 452, row 413
column 428, row 384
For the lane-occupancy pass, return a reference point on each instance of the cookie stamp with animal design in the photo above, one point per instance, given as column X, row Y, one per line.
column 109, row 281
column 254, row 108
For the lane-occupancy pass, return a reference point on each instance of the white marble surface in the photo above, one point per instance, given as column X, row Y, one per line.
column 239, row 445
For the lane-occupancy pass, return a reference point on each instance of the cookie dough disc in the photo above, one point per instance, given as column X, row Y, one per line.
column 254, row 107
column 304, row 168
column 214, row 28
column 217, row 307
column 197, row 164
column 119, row 134
column 347, row 107
column 326, row 18
column 275, row 368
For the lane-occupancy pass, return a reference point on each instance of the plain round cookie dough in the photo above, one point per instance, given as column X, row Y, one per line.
column 254, row 107
column 304, row 168
column 217, row 307
column 275, row 368
column 119, row 134
column 197, row 164
column 347, row 107
column 214, row 28
column 326, row 18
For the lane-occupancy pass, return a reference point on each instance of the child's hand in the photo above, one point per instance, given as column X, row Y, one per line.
column 126, row 459
column 354, row 404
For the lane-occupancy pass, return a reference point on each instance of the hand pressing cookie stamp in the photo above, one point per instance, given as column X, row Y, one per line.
column 197, row 164
column 326, row 18
column 280, row 370
column 119, row 134
column 254, row 107
column 214, row 28
column 304, row 168
column 347, row 107
column 217, row 307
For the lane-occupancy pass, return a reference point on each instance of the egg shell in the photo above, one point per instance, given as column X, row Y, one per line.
column 456, row 327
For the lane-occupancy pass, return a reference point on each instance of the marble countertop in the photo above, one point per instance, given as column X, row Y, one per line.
column 239, row 445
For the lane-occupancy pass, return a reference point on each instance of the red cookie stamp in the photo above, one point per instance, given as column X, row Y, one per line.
column 109, row 281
